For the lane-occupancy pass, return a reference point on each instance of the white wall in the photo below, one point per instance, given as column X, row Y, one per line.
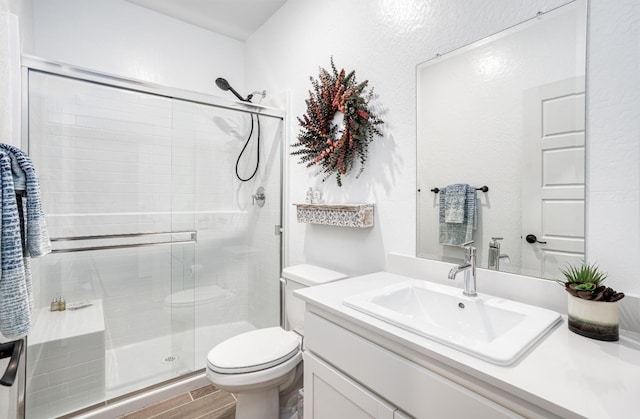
column 613, row 141
column 24, row 10
column 117, row 37
column 383, row 42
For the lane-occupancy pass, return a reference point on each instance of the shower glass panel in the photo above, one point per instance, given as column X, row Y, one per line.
column 159, row 251
column 238, row 252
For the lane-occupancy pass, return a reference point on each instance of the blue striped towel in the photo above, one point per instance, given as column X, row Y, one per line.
column 458, row 231
column 38, row 243
column 16, row 296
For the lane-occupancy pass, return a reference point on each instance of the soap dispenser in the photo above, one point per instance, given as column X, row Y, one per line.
column 494, row 254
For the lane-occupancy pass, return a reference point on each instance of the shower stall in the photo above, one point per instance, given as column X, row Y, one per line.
column 160, row 252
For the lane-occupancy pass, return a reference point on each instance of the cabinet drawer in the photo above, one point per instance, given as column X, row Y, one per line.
column 412, row 388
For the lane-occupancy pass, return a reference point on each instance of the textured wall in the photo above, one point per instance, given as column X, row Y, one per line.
column 384, row 40
column 613, row 141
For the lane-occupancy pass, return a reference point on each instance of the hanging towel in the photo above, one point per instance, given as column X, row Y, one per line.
column 455, row 233
column 455, row 197
column 16, row 296
column 23, row 172
column 15, row 290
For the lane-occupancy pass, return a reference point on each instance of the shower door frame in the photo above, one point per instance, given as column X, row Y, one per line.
column 32, row 63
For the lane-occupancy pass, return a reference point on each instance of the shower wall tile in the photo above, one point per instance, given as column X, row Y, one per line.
column 61, row 118
column 121, row 141
column 61, row 370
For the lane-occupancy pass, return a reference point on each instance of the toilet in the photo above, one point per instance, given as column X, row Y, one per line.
column 259, row 365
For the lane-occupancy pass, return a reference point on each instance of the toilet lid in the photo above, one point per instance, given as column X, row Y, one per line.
column 253, row 351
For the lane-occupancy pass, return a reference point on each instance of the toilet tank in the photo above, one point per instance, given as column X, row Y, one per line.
column 301, row 276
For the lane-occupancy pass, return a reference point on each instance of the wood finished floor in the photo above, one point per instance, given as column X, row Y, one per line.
column 203, row 403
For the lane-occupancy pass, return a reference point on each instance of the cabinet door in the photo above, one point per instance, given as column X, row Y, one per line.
column 331, row 395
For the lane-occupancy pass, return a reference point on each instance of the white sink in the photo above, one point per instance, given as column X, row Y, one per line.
column 490, row 328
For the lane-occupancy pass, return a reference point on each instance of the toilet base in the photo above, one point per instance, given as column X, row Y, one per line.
column 258, row 404
column 258, row 393
column 267, row 403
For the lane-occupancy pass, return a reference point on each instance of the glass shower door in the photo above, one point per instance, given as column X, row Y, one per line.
column 122, row 228
column 161, row 252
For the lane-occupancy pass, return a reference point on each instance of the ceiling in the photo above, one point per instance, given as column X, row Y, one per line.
column 237, row 19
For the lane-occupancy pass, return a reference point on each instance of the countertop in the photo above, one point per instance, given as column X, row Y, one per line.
column 565, row 373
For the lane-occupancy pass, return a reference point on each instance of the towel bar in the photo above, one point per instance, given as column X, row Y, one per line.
column 193, row 238
column 482, row 188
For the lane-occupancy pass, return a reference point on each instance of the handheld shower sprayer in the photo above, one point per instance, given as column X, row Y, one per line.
column 224, row 85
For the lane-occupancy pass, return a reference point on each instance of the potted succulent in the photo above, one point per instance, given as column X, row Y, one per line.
column 592, row 306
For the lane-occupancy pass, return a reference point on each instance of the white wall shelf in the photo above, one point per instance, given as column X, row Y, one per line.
column 341, row 215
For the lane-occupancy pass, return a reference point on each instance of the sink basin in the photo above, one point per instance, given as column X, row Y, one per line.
column 491, row 328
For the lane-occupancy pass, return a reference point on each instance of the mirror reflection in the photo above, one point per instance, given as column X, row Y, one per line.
column 506, row 112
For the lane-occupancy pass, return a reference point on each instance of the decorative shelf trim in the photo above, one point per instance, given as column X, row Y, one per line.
column 344, row 215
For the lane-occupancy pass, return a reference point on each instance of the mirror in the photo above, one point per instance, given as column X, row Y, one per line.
column 508, row 112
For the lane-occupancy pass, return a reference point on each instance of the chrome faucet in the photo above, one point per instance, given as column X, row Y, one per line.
column 494, row 254
column 469, row 269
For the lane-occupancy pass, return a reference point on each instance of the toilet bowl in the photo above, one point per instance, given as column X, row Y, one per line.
column 260, row 365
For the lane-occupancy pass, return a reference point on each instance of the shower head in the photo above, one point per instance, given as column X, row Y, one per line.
column 224, row 85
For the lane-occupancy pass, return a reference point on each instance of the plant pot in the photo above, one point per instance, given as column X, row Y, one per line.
column 593, row 319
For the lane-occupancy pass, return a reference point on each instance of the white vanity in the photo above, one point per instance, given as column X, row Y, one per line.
column 358, row 366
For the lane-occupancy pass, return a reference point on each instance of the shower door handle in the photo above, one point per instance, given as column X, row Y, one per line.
column 13, row 350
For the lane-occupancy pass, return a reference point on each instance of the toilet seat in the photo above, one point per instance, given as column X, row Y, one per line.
column 254, row 351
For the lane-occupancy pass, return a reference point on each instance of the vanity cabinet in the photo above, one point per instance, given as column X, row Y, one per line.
column 348, row 376
column 330, row 395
